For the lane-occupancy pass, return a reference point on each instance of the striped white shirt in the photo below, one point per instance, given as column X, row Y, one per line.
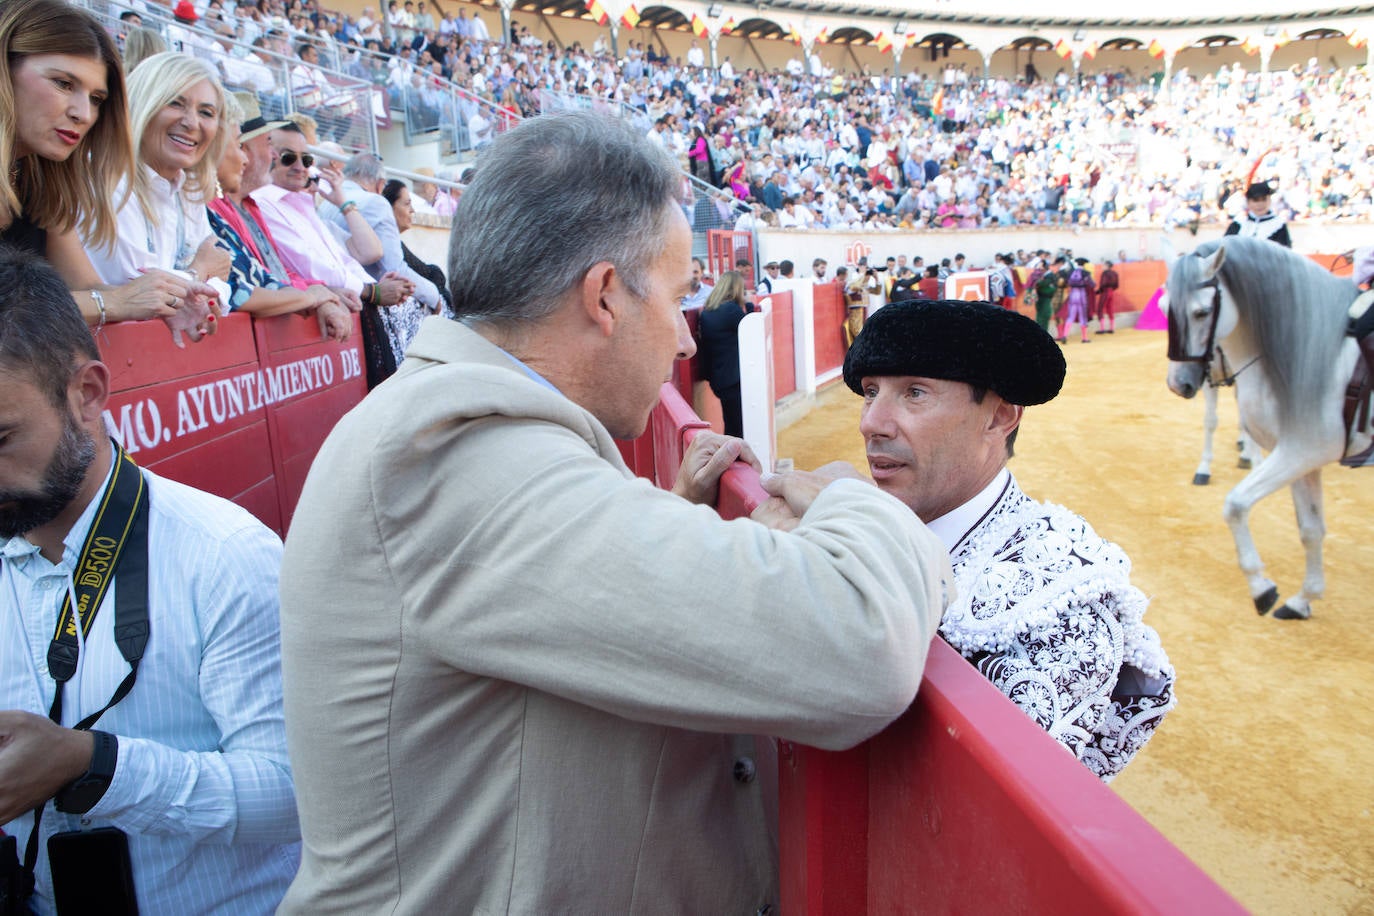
column 202, row 786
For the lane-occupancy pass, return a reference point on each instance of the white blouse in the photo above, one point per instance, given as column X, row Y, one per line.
column 168, row 241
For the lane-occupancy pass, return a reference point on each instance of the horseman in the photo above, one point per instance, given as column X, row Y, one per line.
column 1260, row 221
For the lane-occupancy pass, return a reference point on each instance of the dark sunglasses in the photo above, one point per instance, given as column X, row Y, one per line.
column 288, row 159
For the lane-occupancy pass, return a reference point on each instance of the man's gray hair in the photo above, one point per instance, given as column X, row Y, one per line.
column 551, row 198
column 364, row 167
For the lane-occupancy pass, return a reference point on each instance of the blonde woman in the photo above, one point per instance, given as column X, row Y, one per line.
column 719, row 354
column 65, row 147
column 180, row 124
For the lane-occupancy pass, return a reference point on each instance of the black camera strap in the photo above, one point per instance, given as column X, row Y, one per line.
column 118, row 540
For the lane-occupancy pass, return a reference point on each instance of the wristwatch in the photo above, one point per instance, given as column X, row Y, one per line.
column 81, row 794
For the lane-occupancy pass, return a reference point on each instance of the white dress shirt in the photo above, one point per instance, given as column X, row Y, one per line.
column 305, row 244
column 202, row 785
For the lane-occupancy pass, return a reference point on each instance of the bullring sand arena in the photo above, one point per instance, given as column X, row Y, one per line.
column 1264, row 773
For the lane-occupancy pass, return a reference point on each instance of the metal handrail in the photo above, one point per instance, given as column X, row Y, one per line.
column 282, row 65
column 557, row 100
column 322, row 152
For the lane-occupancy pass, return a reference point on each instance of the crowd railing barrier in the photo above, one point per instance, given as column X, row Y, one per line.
column 962, row 805
column 240, row 414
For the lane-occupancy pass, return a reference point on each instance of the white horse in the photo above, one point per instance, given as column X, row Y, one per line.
column 1281, row 320
column 1218, row 377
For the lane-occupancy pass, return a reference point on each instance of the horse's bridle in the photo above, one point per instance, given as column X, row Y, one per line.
column 1177, row 345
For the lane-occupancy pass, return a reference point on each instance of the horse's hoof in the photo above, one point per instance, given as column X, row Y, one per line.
column 1201, row 480
column 1267, row 600
column 1288, row 612
column 1244, row 464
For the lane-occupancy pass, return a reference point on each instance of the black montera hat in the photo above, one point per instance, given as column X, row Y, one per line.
column 973, row 342
column 1259, row 190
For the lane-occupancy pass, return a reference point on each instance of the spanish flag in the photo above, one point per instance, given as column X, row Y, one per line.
column 883, row 43
column 912, row 39
column 1283, row 39
column 1090, row 52
column 794, row 35
column 1357, row 39
column 630, row 18
column 698, row 25
column 1063, row 49
column 728, row 26
column 1156, row 49
column 823, row 35
column 598, row 12
column 1249, row 46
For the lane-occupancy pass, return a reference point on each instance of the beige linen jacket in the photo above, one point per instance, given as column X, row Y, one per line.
column 519, row 680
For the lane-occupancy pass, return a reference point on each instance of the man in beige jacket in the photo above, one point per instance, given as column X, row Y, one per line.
column 520, row 680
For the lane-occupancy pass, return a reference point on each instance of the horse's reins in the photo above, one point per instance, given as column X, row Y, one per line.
column 1178, row 354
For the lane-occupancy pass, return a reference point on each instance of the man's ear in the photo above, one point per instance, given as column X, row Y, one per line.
column 603, row 297
column 1005, row 418
column 89, row 390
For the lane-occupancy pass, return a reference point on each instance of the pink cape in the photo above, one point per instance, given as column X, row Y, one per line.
column 1152, row 317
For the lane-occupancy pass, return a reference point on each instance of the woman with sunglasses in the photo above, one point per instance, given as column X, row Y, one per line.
column 254, row 288
column 179, row 121
column 65, row 147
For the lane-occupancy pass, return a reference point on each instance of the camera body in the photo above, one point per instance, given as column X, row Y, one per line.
column 11, row 878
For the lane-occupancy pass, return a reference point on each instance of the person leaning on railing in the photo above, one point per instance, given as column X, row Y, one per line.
column 556, row 667
column 253, row 287
column 65, row 146
column 177, row 108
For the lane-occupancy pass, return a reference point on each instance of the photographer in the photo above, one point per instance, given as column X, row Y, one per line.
column 142, row 749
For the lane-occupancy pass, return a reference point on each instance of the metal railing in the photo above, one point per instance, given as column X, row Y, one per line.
column 344, row 107
column 551, row 100
column 462, row 121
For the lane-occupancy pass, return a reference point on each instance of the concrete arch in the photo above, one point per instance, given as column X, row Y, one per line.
column 757, row 27
column 664, row 17
column 851, row 35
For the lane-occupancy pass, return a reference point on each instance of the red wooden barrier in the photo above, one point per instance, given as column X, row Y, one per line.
column 724, row 247
column 1139, row 280
column 829, row 315
column 240, row 414
column 320, row 381
column 963, row 805
column 784, row 350
column 1338, row 264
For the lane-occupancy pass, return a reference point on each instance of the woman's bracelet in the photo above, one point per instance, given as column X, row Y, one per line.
column 99, row 301
column 347, row 206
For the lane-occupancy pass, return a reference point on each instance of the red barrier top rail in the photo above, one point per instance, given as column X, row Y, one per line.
column 962, row 805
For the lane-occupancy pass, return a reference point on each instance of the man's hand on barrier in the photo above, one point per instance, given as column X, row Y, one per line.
column 37, row 758
column 775, row 513
column 708, row 457
column 798, row 489
column 336, row 322
column 348, row 297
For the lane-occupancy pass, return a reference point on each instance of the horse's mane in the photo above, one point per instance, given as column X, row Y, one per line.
column 1295, row 312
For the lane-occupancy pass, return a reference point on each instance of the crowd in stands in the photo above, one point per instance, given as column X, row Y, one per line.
column 222, row 208
column 940, row 149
